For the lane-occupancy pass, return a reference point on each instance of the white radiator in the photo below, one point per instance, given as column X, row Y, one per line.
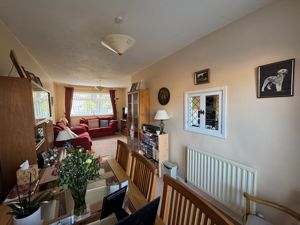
column 222, row 179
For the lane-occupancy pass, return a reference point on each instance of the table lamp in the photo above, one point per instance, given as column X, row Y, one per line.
column 161, row 115
column 66, row 135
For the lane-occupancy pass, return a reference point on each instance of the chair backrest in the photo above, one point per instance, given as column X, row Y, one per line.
column 143, row 216
column 143, row 175
column 185, row 206
column 123, row 155
column 250, row 198
column 113, row 203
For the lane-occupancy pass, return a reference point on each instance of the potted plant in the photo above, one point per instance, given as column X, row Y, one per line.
column 28, row 210
column 75, row 171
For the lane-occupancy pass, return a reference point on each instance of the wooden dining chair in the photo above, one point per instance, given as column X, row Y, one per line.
column 182, row 206
column 123, row 155
column 143, row 175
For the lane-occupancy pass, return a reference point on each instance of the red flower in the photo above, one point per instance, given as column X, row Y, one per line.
column 54, row 172
column 57, row 164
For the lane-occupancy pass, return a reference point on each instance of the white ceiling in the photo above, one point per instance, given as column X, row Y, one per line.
column 63, row 35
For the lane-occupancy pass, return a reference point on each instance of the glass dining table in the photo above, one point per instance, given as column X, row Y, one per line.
column 59, row 211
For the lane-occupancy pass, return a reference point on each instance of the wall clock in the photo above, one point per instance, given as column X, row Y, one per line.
column 163, row 96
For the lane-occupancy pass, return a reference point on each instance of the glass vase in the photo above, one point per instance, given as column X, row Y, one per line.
column 78, row 195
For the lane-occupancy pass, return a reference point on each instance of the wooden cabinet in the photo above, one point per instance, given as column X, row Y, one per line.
column 18, row 130
column 155, row 147
column 138, row 114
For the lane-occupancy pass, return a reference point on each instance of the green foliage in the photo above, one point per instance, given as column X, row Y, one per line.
column 26, row 206
column 77, row 168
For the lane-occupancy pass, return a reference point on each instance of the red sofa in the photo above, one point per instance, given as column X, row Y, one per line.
column 84, row 139
column 111, row 129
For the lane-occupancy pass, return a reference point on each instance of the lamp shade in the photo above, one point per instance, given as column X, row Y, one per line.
column 118, row 43
column 65, row 135
column 161, row 115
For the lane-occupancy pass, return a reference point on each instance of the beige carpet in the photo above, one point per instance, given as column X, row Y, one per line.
column 107, row 146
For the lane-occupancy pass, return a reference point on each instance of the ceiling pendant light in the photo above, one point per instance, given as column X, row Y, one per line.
column 100, row 87
column 118, row 43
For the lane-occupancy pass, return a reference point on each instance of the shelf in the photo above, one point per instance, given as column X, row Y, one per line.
column 38, row 123
column 38, row 145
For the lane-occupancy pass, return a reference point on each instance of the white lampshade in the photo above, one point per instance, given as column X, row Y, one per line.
column 65, row 135
column 161, row 115
column 118, row 43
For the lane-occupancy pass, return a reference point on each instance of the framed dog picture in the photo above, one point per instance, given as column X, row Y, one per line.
column 201, row 76
column 276, row 79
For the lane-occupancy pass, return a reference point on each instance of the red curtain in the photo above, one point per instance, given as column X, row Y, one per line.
column 68, row 102
column 112, row 94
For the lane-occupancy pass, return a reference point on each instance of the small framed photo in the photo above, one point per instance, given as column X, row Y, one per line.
column 16, row 63
column 45, row 156
column 133, row 87
column 38, row 81
column 201, row 77
column 40, row 132
column 276, row 79
column 31, row 76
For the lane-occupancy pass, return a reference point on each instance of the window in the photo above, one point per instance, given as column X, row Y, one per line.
column 205, row 111
column 89, row 104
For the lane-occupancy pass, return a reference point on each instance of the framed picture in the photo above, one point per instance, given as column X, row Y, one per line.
column 14, row 60
column 276, row 79
column 40, row 132
column 38, row 81
column 133, row 87
column 30, row 75
column 44, row 156
column 201, row 76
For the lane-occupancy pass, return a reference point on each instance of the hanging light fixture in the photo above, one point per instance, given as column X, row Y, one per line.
column 99, row 87
column 118, row 43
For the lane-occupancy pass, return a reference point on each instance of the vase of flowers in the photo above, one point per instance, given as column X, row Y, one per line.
column 75, row 171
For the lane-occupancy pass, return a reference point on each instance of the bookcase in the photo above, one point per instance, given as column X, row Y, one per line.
column 138, row 114
column 155, row 148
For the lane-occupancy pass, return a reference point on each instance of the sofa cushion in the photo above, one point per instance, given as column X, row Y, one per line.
column 84, row 140
column 62, row 125
column 78, row 129
column 85, row 126
column 104, row 123
column 94, row 123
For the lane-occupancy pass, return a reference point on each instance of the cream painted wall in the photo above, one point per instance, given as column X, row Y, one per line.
column 261, row 133
column 8, row 41
column 60, row 100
